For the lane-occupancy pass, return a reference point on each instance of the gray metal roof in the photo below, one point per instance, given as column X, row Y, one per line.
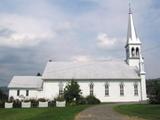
column 90, row 70
column 33, row 82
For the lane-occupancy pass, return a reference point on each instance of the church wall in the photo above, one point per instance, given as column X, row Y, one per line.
column 84, row 86
column 51, row 90
column 114, row 90
column 134, row 62
column 13, row 93
column 22, row 93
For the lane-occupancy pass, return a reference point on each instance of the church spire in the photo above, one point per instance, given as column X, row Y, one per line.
column 133, row 45
column 131, row 35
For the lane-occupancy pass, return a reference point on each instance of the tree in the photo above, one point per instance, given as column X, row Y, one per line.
column 2, row 95
column 72, row 92
column 154, row 91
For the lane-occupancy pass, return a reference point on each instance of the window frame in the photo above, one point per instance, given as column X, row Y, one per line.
column 61, row 88
column 91, row 89
column 136, row 93
column 106, row 89
column 27, row 92
column 121, row 86
column 18, row 92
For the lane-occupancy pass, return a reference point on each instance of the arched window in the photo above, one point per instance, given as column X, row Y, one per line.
column 106, row 89
column 27, row 92
column 137, row 52
column 60, row 88
column 135, row 89
column 18, row 92
column 133, row 52
column 121, row 89
column 91, row 86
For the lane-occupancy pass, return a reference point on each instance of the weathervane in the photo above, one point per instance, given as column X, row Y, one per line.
column 130, row 10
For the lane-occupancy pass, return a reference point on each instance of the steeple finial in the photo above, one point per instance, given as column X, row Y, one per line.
column 130, row 9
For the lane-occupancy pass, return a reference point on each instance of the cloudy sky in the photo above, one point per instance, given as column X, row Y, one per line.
column 34, row 31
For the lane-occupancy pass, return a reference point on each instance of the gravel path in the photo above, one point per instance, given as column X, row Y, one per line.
column 103, row 112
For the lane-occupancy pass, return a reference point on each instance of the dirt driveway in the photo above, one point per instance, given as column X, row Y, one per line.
column 103, row 112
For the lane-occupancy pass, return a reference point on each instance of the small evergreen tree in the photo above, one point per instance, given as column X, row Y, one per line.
column 72, row 92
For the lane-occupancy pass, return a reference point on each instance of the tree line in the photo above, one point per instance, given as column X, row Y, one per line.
column 153, row 90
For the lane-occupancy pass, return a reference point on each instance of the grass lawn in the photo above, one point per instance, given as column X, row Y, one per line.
column 52, row 113
column 147, row 111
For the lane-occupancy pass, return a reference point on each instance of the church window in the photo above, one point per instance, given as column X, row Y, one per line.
column 136, row 89
column 60, row 88
column 137, row 52
column 18, row 92
column 27, row 92
column 121, row 89
column 106, row 89
column 133, row 52
column 91, row 88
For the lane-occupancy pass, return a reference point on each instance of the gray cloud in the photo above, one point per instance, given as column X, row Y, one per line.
column 75, row 33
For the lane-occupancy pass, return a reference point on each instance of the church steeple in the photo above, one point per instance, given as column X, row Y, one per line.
column 133, row 45
column 131, row 35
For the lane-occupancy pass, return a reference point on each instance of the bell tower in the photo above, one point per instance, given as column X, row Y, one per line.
column 133, row 45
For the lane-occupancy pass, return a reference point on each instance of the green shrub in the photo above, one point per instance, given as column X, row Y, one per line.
column 2, row 104
column 11, row 99
column 72, row 103
column 154, row 100
column 92, row 100
column 42, row 100
column 26, row 100
column 82, row 101
column 16, row 103
column 60, row 98
column 52, row 103
column 34, row 102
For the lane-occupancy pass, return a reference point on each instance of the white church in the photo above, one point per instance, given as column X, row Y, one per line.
column 109, row 81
